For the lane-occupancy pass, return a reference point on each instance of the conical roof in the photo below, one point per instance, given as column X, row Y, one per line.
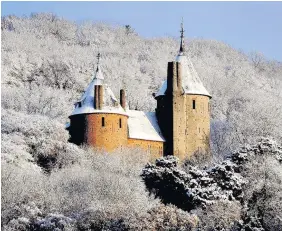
column 191, row 82
column 86, row 104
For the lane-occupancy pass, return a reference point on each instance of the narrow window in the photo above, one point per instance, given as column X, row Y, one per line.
column 194, row 104
column 119, row 123
column 103, row 121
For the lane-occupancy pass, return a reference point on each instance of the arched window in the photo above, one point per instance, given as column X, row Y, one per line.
column 103, row 121
column 194, row 104
column 119, row 122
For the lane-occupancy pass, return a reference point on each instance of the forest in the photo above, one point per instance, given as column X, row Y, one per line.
column 50, row 184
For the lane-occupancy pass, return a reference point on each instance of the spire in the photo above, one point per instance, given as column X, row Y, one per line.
column 190, row 80
column 182, row 45
column 98, row 73
column 98, row 61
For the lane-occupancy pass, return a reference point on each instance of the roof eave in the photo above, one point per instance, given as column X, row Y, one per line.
column 157, row 96
column 99, row 112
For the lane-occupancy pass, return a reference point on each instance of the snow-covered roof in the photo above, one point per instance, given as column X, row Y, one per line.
column 162, row 90
column 86, row 103
column 144, row 126
column 191, row 82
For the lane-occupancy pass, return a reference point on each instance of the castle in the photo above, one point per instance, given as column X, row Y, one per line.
column 180, row 126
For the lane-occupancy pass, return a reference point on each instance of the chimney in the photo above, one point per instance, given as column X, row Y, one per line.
column 169, row 77
column 101, row 96
column 179, row 76
column 174, row 77
column 122, row 98
column 96, row 97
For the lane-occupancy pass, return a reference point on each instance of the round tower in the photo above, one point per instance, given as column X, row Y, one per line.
column 183, row 108
column 98, row 119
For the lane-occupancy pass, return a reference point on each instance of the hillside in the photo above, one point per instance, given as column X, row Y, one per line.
column 47, row 62
column 53, row 60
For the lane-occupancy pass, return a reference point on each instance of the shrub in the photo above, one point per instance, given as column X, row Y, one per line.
column 99, row 181
column 220, row 215
column 164, row 218
column 193, row 188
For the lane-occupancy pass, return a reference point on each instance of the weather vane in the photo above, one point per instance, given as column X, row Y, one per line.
column 98, row 57
column 182, row 45
column 182, row 30
column 98, row 60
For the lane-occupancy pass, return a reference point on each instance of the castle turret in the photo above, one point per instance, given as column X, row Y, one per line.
column 183, row 108
column 98, row 119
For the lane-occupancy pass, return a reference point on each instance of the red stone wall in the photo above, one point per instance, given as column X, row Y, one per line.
column 153, row 148
column 197, row 125
column 88, row 129
column 107, row 137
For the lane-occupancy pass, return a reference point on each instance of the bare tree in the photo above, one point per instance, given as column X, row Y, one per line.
column 257, row 60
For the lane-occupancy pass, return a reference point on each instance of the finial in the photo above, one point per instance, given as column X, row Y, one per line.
column 182, row 45
column 182, row 30
column 98, row 60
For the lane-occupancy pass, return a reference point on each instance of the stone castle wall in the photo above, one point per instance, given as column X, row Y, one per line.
column 88, row 129
column 153, row 148
column 107, row 136
column 191, row 127
column 77, row 129
column 197, row 124
column 185, row 126
column 179, row 116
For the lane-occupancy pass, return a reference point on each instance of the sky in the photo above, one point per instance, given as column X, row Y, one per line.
column 248, row 26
